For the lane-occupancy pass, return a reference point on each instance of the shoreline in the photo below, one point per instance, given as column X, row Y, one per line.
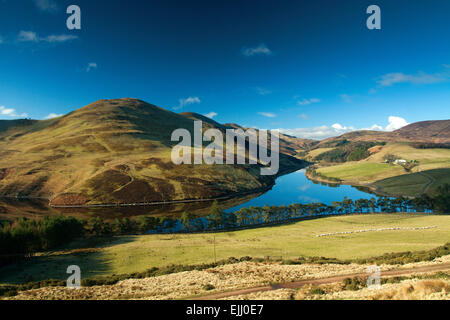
column 169, row 202
column 373, row 189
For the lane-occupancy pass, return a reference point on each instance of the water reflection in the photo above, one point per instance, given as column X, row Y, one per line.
column 296, row 187
column 13, row 208
column 291, row 188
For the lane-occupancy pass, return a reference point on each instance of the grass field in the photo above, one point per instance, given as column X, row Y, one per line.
column 413, row 184
column 361, row 172
column 373, row 169
column 138, row 253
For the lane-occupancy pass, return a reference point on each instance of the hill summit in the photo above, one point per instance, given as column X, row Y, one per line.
column 115, row 151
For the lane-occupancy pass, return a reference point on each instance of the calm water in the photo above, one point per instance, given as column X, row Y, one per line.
column 297, row 188
column 291, row 188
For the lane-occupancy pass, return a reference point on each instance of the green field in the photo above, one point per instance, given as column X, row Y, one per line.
column 361, row 172
column 416, row 183
column 374, row 169
column 138, row 253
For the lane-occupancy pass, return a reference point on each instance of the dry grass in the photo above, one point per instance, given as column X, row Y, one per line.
column 232, row 277
column 98, row 151
column 193, row 283
column 417, row 290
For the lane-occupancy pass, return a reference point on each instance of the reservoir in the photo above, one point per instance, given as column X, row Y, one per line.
column 297, row 188
column 291, row 188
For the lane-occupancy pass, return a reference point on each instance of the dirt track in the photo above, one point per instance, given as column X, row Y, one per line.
column 430, row 182
column 301, row 283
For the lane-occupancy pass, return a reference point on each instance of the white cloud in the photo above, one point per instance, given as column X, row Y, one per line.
column 337, row 129
column 1, row 40
column 5, row 111
column 46, row 5
column 305, row 102
column 91, row 65
column 186, row 102
column 10, row 112
column 376, row 127
column 317, row 133
column 338, row 126
column 211, row 115
column 30, row 36
column 396, row 123
column 267, row 114
column 53, row 115
column 259, row 50
column 390, row 79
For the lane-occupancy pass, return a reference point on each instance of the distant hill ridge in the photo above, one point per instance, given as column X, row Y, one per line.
column 432, row 131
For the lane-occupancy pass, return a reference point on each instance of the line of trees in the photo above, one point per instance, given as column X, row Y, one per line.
column 24, row 237
column 219, row 220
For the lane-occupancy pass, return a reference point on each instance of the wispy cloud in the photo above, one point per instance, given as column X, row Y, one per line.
column 391, row 79
column 323, row 132
column 1, row 39
column 261, row 50
column 91, row 66
column 59, row 38
column 10, row 112
column 53, row 115
column 25, row 36
column 305, row 102
column 211, row 115
column 304, row 187
column 303, row 116
column 186, row 102
column 46, row 5
column 267, row 114
column 346, row 98
column 31, row 36
column 262, row 91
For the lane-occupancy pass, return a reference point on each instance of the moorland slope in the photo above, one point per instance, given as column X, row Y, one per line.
column 115, row 151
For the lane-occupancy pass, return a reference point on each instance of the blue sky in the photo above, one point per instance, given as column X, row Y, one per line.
column 311, row 68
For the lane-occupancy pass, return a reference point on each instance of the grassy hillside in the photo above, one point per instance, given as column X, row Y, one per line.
column 138, row 253
column 416, row 183
column 114, row 151
column 361, row 172
column 374, row 168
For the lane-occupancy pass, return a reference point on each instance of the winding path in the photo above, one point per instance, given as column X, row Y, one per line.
column 425, row 187
column 301, row 283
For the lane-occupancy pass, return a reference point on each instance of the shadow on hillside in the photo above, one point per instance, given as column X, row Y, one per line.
column 92, row 261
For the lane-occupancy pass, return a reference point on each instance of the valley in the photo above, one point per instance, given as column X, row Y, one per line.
column 109, row 164
column 362, row 159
